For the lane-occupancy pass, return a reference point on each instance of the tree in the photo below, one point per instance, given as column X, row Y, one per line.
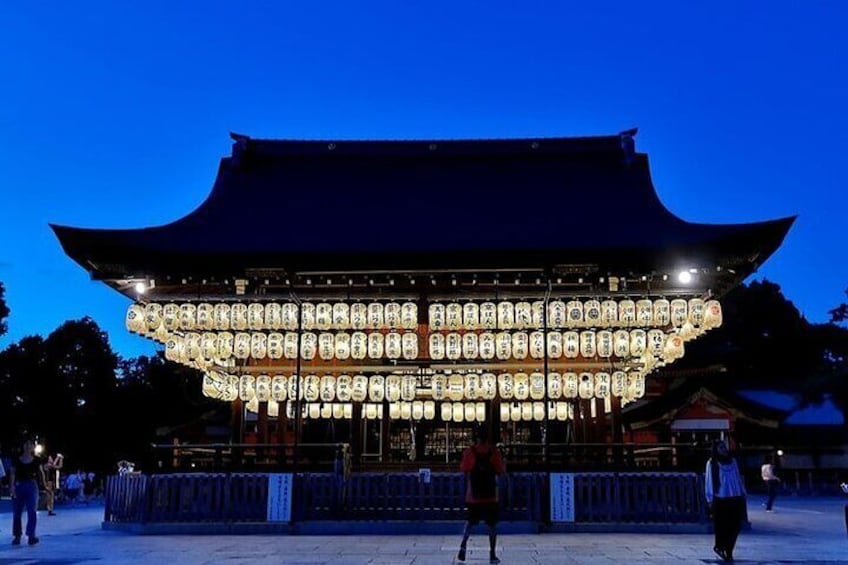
column 4, row 310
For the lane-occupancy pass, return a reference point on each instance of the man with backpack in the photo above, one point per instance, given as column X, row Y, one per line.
column 481, row 463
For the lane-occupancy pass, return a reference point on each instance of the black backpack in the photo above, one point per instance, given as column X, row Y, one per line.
column 482, row 475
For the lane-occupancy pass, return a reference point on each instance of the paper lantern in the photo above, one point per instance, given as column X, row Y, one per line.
column 554, row 386
column 503, row 346
column 429, row 410
column 273, row 316
column 592, row 314
column 588, row 344
column 437, row 347
column 609, row 313
column 488, row 386
column 523, row 316
column 252, row 405
column 171, row 317
column 220, row 316
column 627, row 313
column 662, row 312
column 574, row 314
column 621, row 343
column 527, row 411
column 376, row 317
column 241, row 345
column 375, row 345
column 209, row 345
column 326, row 410
column 537, row 386
column 604, row 344
column 602, row 385
column 453, row 316
column 487, row 346
column 446, row 410
column 358, row 316
column 437, row 317
column 456, row 388
column 295, row 385
column 409, row 316
column 638, row 342
column 696, row 312
column 712, row 315
column 554, row 345
column 504, row 409
column 344, row 388
column 247, row 388
column 338, row 411
column 562, row 411
column 618, row 384
column 312, row 388
column 656, row 342
column 341, row 345
column 506, row 315
column 570, row 385
column 308, row 345
column 453, row 346
column 288, row 311
column 537, row 312
column 458, row 410
column 586, row 386
column 376, row 388
column 470, row 316
column 538, row 411
column 644, row 312
column 559, row 314
column 308, row 316
column 340, row 316
column 515, row 412
column 290, row 345
column 408, row 387
column 231, row 392
column 393, row 388
column 279, row 388
column 409, row 346
column 205, row 319
column 370, row 411
column 488, row 316
column 537, row 345
column 348, row 411
column 679, row 312
column 470, row 347
column 275, row 345
column 438, row 386
column 506, row 386
column 191, row 343
column 393, row 346
column 186, row 319
column 135, row 319
column 358, row 346
column 258, row 345
column 359, row 388
column 214, row 385
column 238, row 316
column 263, row 388
column 255, row 316
column 314, row 411
column 520, row 343
column 328, row 388
column 173, row 348
column 470, row 412
column 635, row 385
column 417, row 410
column 570, row 344
column 522, row 386
column 471, row 390
column 323, row 316
column 224, row 342
column 153, row 317
column 391, row 315
column 480, row 411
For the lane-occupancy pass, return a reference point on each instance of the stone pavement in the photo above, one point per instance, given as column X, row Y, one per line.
column 800, row 530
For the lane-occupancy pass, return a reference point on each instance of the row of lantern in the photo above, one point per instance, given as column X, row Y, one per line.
column 455, row 387
column 275, row 345
column 238, row 316
column 452, row 316
column 575, row 314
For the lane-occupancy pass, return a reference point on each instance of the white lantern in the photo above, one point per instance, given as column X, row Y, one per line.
column 358, row 316
column 554, row 345
column 295, row 385
column 537, row 386
column 487, row 346
column 562, row 411
column 538, row 411
column 621, row 343
column 438, row 386
column 187, row 316
column 488, row 386
column 656, row 342
column 504, row 412
column 488, row 316
column 220, row 316
column 506, row 315
column 209, row 345
column 376, row 318
column 409, row 316
column 554, row 386
column 558, row 316
column 224, row 343
column 263, row 388
column 255, row 316
column 574, row 314
column 328, row 388
column 453, row 346
column 458, row 412
column 338, row 411
column 592, row 314
column 171, row 317
column 314, row 411
column 503, row 346
column 635, row 385
column 153, row 317
column 311, row 388
column 174, row 348
column 627, row 313
column 205, row 320
column 323, row 316
column 523, row 316
column 214, row 385
column 472, row 386
column 275, row 345
column 344, row 388
column 273, row 316
column 673, row 348
column 712, row 315
column 393, row 346
column 408, row 387
column 662, row 312
column 417, row 410
column 609, row 313
column 393, row 388
column 519, row 345
column 279, row 388
column 308, row 316
column 522, row 386
column 375, row 345
column 571, row 344
column 644, row 312
column 618, row 385
column 453, row 316
column 437, row 317
column 135, row 319
column 527, row 411
column 409, row 346
column 446, row 411
column 587, row 344
column 376, row 388
column 470, row 412
column 571, row 385
column 341, row 345
column 456, row 388
column 290, row 345
column 308, row 345
column 696, row 312
column 586, row 387
column 480, row 411
column 348, row 411
column 638, row 342
column 241, row 345
column 537, row 311
column 358, row 346
column 470, row 349
column 537, row 345
column 191, row 340
column 247, row 388
column 679, row 312
column 429, row 410
column 515, row 412
column 340, row 316
column 371, row 411
column 437, row 347
column 604, row 342
column 258, row 345
column 252, row 405
column 289, row 315
column 359, row 388
column 391, row 315
column 506, row 386
column 238, row 316
column 471, row 316
column 602, row 385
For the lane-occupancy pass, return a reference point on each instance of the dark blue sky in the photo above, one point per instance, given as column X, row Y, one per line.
column 115, row 114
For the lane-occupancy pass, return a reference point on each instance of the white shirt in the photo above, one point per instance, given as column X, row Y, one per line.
column 729, row 481
column 767, row 472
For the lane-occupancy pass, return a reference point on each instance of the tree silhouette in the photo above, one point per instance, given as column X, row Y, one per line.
column 4, row 309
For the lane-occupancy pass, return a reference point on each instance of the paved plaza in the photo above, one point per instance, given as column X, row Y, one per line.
column 801, row 530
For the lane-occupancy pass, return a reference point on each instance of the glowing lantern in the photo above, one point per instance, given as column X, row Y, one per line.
column 370, row 411
column 437, row 347
column 348, row 411
column 537, row 309
column 554, row 386
column 662, row 312
column 604, row 342
column 220, row 316
column 571, row 385
column 205, row 319
column 586, row 387
column 358, row 316
column 470, row 348
column 344, row 388
column 644, row 312
column 375, row 345
column 409, row 316
column 393, row 388
column 375, row 316
column 338, row 411
column 247, row 388
column 562, row 411
column 209, row 345
column 214, row 385
column 173, row 348
column 326, row 410
column 376, row 388
column 471, row 316
column 241, row 345
column 393, row 346
column 328, row 388
column 656, row 342
column 574, row 313
column 323, row 316
column 554, row 345
column 558, row 314
column 429, row 410
column 488, row 386
column 273, row 316
column 258, row 345
column 456, row 388
column 275, row 345
column 504, row 409
column 696, row 312
column 224, row 343
column 621, row 343
column 537, row 386
column 314, row 411
column 602, row 385
column 438, row 386
column 627, row 313
column 472, row 386
column 687, row 331
column 523, row 316
column 673, row 348
column 391, row 314
column 288, row 312
column 171, row 317
column 506, row 315
column 153, row 317
column 609, row 313
column 417, row 410
column 519, row 345
column 279, row 388
column 538, row 411
column 408, row 387
column 487, row 346
column 135, row 319
column 679, row 312
column 359, row 388
column 592, row 314
column 358, row 345
column 453, row 316
column 571, row 344
column 488, row 316
column 446, row 412
column 231, row 391
column 290, row 345
column 638, row 342
column 238, row 316
column 503, row 346
column 515, row 412
column 588, row 345
column 191, row 340
column 618, row 384
column 458, row 410
column 263, row 388
column 341, row 345
column 255, row 316
column 308, row 316
column 470, row 412
column 480, row 411
column 527, row 411
column 636, row 385
column 308, row 345
column 537, row 345
column 437, row 317
column 295, row 391
column 453, row 346
column 409, row 345
column 312, row 388
column 506, row 386
column 712, row 315
column 522, row 386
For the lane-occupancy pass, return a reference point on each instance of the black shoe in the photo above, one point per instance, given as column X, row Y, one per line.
column 493, row 559
column 16, row 540
column 461, row 555
column 720, row 552
column 32, row 540
column 51, row 513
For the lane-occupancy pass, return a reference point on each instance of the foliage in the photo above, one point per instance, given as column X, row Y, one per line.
column 4, row 309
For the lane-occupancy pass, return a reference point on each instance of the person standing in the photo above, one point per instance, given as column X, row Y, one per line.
column 25, row 475
column 481, row 463
column 51, row 473
column 725, row 493
column 771, row 479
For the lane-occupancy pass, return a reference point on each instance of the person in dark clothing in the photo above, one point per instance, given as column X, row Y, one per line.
column 771, row 480
column 25, row 476
column 725, row 493
column 481, row 464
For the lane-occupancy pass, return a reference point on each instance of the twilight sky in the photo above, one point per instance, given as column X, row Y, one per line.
column 115, row 114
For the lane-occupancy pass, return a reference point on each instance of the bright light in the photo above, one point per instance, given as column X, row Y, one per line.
column 39, row 449
column 684, row 277
column 780, row 453
column 140, row 288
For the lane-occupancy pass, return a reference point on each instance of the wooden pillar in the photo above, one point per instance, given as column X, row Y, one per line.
column 385, row 434
column 237, row 421
column 616, row 430
column 356, row 432
column 262, row 421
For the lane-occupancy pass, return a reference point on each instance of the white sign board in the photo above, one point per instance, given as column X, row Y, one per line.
column 562, row 497
column 279, row 497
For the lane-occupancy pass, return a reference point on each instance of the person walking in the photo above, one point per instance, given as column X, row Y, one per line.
column 481, row 463
column 725, row 493
column 25, row 476
column 771, row 479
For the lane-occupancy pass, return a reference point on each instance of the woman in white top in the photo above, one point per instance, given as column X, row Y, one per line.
column 725, row 492
column 771, row 480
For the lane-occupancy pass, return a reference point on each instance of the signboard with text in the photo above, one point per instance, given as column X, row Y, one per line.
column 279, row 497
column 562, row 497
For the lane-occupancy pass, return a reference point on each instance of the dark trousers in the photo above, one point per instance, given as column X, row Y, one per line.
column 727, row 521
column 771, row 486
column 26, row 495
